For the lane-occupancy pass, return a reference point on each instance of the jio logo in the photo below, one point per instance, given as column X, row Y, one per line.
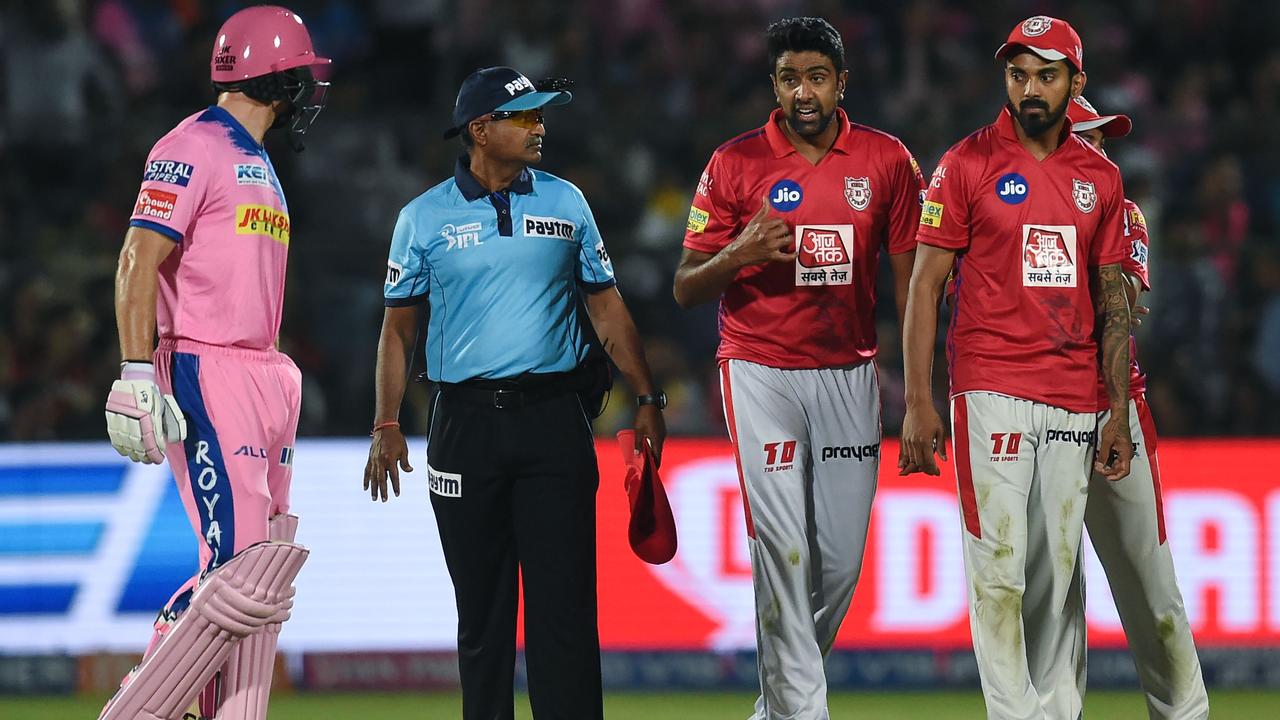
column 785, row 195
column 1012, row 188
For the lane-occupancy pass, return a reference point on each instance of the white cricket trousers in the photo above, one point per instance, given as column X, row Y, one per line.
column 1023, row 474
column 807, row 443
column 1125, row 520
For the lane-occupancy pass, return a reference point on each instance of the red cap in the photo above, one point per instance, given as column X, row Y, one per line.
column 1083, row 117
column 1050, row 38
column 652, row 530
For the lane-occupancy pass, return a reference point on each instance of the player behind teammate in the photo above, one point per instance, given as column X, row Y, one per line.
column 1030, row 216
column 785, row 231
column 204, row 261
column 1125, row 518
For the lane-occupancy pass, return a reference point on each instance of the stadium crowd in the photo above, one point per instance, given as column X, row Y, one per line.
column 87, row 85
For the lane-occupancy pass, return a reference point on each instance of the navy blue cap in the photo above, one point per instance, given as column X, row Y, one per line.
column 497, row 89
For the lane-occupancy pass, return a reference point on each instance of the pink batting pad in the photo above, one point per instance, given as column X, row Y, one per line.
column 243, row 686
column 246, row 676
column 252, row 590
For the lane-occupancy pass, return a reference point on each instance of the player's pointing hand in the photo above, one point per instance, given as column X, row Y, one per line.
column 765, row 239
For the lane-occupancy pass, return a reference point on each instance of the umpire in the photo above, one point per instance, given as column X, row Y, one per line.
column 504, row 256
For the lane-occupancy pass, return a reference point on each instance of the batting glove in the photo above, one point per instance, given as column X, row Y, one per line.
column 141, row 419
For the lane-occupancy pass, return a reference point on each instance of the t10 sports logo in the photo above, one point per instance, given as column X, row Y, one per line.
column 779, row 456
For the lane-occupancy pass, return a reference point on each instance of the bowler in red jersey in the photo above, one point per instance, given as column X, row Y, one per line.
column 785, row 231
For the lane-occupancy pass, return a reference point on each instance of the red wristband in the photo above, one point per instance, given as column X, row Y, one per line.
column 387, row 424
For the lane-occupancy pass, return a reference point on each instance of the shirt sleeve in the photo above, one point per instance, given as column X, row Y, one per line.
column 595, row 269
column 1135, row 231
column 175, row 182
column 908, row 199
column 944, row 216
column 408, row 273
column 714, row 214
column 1110, row 246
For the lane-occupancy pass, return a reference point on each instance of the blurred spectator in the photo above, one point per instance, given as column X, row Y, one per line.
column 88, row 85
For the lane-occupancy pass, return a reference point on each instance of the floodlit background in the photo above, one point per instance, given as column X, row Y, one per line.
column 89, row 547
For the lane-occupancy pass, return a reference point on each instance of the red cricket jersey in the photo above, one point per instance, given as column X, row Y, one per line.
column 1026, row 233
column 1135, row 234
column 817, row 311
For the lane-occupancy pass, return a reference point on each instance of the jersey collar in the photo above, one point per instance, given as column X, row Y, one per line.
column 471, row 188
column 782, row 147
column 239, row 135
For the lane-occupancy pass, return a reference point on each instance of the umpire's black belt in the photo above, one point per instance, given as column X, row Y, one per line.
column 495, row 395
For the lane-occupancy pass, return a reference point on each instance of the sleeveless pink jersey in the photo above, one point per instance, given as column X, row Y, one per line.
column 210, row 187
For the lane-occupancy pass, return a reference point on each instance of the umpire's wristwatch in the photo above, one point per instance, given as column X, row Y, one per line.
column 658, row 398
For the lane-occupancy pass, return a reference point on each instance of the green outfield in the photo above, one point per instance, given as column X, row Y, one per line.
column 1226, row 705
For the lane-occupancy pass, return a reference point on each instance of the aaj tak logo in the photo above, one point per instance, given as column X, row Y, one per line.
column 1049, row 256
column 824, row 254
column 1046, row 249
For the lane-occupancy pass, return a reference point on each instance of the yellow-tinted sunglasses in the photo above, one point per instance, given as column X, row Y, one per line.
column 527, row 119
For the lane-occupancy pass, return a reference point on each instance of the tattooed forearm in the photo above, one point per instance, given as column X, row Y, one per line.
column 1112, row 305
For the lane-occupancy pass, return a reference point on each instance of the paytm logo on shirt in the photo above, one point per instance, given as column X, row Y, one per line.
column 548, row 227
column 1012, row 188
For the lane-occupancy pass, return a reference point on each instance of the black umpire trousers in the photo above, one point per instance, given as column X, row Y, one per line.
column 513, row 489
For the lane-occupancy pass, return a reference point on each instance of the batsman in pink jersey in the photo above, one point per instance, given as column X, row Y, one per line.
column 204, row 264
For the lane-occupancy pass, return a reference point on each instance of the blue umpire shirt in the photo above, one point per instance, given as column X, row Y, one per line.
column 500, row 273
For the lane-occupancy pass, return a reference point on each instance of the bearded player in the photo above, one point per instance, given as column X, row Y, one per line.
column 1031, row 217
column 786, row 231
column 1125, row 518
column 204, row 263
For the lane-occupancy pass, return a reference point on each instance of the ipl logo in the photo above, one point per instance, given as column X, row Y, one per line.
column 461, row 236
